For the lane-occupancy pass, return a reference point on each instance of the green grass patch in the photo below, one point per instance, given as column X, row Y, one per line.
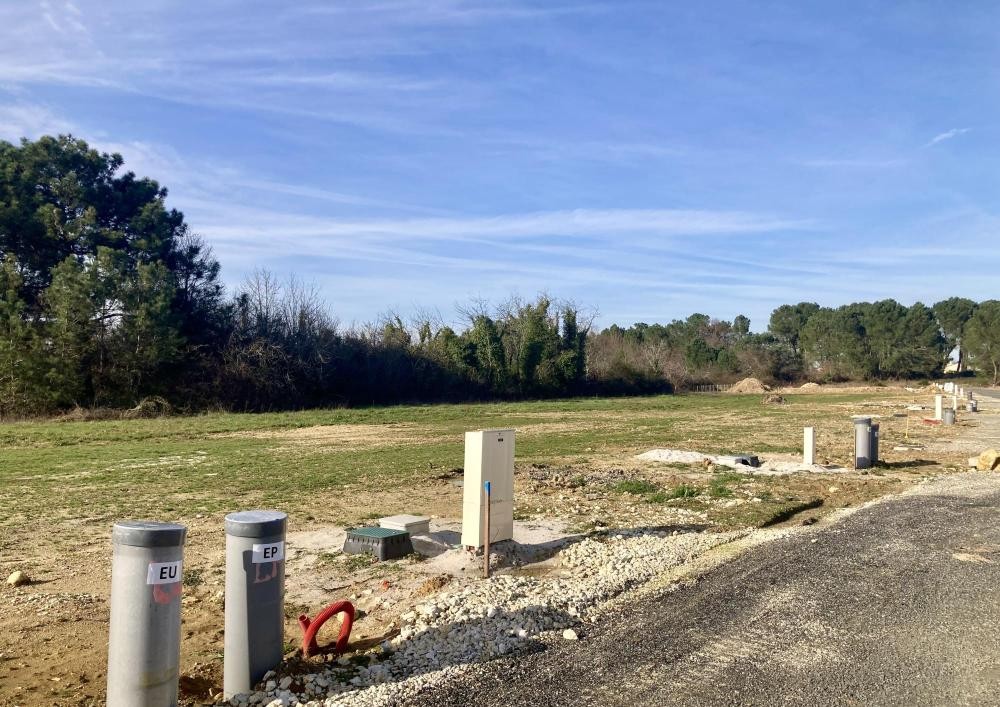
column 354, row 563
column 681, row 496
column 683, row 491
column 719, row 489
column 636, row 487
column 727, row 477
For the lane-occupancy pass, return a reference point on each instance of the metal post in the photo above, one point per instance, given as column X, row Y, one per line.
column 255, row 592
column 144, row 636
column 486, row 533
column 862, row 442
column 874, row 443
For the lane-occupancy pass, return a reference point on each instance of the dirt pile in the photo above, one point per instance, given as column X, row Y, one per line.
column 809, row 386
column 749, row 385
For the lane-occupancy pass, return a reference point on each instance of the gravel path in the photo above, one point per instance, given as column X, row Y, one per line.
column 899, row 604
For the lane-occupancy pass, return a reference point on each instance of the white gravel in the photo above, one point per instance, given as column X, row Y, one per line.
column 441, row 638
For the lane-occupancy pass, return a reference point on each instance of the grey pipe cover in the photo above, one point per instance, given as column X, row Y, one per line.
column 148, row 533
column 256, row 524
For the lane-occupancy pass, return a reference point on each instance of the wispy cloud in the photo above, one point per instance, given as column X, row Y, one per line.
column 194, row 181
column 852, row 163
column 63, row 17
column 609, row 223
column 947, row 135
column 429, row 12
column 18, row 120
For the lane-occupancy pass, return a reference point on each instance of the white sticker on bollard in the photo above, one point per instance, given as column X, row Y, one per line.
column 163, row 572
column 268, row 552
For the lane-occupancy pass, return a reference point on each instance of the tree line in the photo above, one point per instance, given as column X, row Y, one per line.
column 882, row 340
column 107, row 298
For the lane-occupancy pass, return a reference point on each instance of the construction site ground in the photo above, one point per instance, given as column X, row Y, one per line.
column 63, row 483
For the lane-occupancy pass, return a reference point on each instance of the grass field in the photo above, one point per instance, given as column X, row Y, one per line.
column 180, row 466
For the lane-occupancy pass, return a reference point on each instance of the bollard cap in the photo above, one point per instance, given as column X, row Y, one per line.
column 861, row 420
column 148, row 533
column 256, row 524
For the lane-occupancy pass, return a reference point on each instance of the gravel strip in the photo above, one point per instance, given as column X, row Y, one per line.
column 505, row 615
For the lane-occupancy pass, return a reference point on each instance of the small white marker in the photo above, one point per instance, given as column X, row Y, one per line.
column 268, row 552
column 163, row 572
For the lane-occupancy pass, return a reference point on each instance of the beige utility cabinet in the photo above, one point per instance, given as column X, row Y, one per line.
column 489, row 456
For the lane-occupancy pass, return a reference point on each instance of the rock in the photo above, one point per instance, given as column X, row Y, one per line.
column 18, row 579
column 286, row 682
column 988, row 461
column 570, row 635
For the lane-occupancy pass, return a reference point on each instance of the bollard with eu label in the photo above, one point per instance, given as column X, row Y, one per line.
column 144, row 632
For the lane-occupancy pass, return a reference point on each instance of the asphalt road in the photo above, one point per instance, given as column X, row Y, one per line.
column 898, row 604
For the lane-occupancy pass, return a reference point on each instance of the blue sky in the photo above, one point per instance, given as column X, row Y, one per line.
column 644, row 159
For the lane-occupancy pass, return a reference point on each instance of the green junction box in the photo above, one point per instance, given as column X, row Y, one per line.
column 382, row 543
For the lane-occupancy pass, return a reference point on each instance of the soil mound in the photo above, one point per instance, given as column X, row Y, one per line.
column 809, row 386
column 749, row 385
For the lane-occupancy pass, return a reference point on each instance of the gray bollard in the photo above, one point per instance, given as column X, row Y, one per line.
column 862, row 442
column 144, row 640
column 255, row 592
column 949, row 417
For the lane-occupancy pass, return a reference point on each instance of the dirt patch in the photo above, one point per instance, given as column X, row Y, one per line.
column 749, row 385
column 432, row 585
column 352, row 436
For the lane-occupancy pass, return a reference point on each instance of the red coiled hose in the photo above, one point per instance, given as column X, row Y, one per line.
column 311, row 628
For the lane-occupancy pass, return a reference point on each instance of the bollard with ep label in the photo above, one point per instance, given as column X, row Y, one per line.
column 255, row 592
column 144, row 640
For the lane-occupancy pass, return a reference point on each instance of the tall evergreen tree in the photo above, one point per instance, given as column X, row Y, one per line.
column 19, row 348
column 982, row 334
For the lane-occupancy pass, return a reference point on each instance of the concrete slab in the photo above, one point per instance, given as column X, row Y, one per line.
column 414, row 525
